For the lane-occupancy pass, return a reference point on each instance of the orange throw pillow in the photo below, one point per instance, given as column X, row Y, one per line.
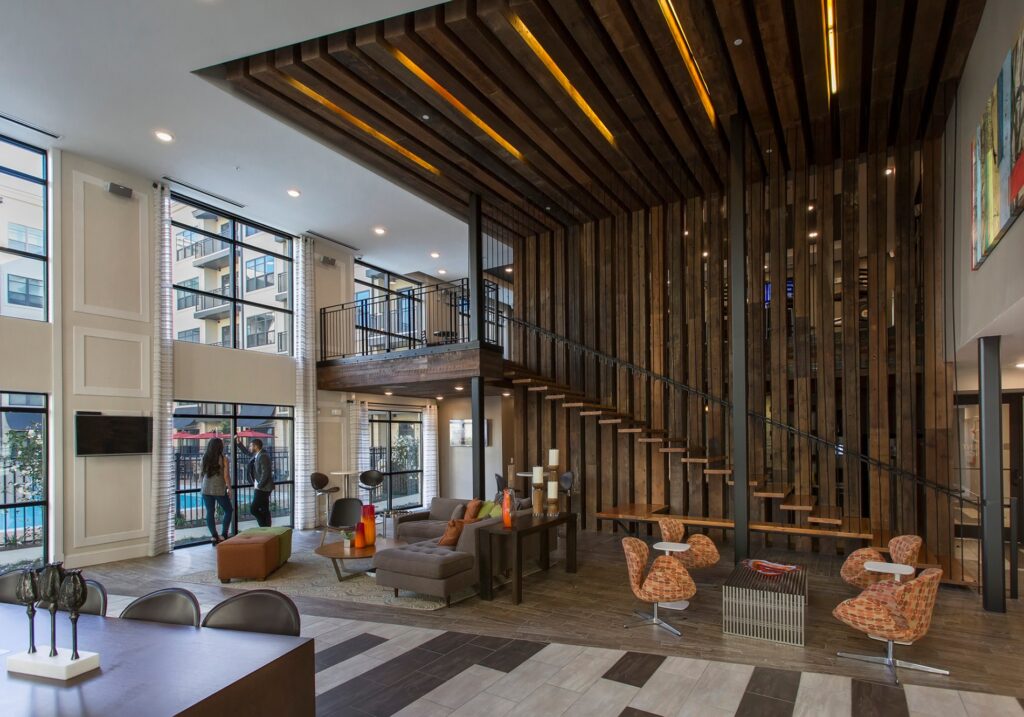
column 452, row 533
column 472, row 508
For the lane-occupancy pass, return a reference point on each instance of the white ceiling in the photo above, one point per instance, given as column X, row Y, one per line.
column 104, row 74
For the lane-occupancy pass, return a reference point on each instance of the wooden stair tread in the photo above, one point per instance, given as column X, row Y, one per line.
column 651, row 439
column 800, row 501
column 854, row 528
column 673, row 449
column 718, row 471
column 702, row 459
column 610, row 421
column 826, row 514
column 540, row 387
column 643, row 429
column 774, row 490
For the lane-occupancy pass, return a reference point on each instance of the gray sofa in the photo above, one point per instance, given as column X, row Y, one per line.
column 425, row 567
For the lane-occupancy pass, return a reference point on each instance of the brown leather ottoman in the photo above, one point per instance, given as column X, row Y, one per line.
column 247, row 556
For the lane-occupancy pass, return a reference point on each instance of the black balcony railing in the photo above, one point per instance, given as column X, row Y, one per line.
column 259, row 338
column 199, row 248
column 23, row 529
column 398, row 321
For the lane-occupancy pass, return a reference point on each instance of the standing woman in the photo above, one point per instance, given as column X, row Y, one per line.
column 216, row 488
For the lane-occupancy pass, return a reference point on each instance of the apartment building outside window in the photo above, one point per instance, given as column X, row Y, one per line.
column 232, row 280
column 24, row 250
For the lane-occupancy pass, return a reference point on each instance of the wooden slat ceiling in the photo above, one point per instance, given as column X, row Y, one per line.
column 563, row 111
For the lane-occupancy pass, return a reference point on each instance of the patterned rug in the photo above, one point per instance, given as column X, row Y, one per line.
column 310, row 575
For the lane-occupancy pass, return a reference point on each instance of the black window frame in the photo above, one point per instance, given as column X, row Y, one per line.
column 194, row 330
column 44, row 502
column 262, row 273
column 238, row 481
column 374, row 418
column 235, row 243
column 44, row 182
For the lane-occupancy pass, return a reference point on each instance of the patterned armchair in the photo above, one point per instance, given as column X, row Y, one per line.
column 702, row 552
column 903, row 549
column 666, row 583
column 893, row 612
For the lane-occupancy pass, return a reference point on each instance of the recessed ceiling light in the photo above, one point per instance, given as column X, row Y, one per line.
column 380, row 231
column 810, row 207
column 164, row 135
column 458, row 388
column 294, row 193
column 548, row 208
column 766, row 267
column 506, row 394
column 889, row 171
column 434, row 255
column 686, row 232
column 1020, row 365
column 768, row 151
column 812, row 235
column 425, row 117
column 508, row 269
column 704, row 254
column 442, row 272
column 439, row 398
column 738, row 41
column 388, row 393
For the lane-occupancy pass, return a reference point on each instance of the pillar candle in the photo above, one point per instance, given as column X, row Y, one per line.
column 553, row 457
column 538, row 475
column 552, row 490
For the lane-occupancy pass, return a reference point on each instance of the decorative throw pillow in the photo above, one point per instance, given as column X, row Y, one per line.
column 485, row 509
column 473, row 508
column 452, row 533
column 459, row 512
column 495, row 511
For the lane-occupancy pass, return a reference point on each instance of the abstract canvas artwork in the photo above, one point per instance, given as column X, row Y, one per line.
column 997, row 158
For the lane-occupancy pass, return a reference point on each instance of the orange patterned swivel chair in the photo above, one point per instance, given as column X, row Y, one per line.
column 903, row 549
column 893, row 612
column 702, row 552
column 666, row 584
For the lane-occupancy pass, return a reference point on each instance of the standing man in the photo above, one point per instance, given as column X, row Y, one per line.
column 261, row 476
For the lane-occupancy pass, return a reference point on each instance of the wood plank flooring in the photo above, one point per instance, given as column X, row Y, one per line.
column 982, row 650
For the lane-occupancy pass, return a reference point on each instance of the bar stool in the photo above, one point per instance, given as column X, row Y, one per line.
column 319, row 482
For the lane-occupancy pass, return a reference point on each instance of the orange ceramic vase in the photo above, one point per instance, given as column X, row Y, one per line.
column 369, row 523
column 506, row 508
column 360, row 540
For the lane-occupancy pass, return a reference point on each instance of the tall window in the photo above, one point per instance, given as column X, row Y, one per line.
column 195, row 424
column 232, row 280
column 396, row 450
column 23, row 231
column 23, row 480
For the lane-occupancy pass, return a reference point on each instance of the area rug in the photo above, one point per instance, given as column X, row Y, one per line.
column 309, row 575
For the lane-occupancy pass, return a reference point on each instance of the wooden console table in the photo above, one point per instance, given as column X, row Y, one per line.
column 522, row 527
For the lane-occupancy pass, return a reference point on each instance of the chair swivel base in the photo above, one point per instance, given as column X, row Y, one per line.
column 892, row 663
column 653, row 619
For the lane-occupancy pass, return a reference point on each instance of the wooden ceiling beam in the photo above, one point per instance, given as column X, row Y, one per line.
column 632, row 159
column 534, row 107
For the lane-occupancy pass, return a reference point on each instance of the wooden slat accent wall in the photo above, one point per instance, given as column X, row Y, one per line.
column 850, row 346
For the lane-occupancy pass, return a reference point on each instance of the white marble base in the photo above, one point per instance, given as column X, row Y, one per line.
column 61, row 667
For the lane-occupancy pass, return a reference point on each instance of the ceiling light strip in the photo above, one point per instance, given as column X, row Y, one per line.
column 359, row 124
column 451, row 99
column 534, row 44
column 683, row 45
column 828, row 16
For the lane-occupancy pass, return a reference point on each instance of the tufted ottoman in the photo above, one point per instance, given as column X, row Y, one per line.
column 248, row 556
column 284, row 540
column 425, row 568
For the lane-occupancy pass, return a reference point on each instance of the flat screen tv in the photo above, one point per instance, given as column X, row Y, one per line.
column 99, row 435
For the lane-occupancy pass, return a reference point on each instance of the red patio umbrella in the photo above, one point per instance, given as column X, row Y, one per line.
column 250, row 433
column 183, row 436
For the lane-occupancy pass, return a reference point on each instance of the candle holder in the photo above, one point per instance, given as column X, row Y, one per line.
column 538, row 491
column 71, row 597
column 551, row 503
column 27, row 594
column 50, row 579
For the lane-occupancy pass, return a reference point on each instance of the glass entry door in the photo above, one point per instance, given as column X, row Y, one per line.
column 396, row 450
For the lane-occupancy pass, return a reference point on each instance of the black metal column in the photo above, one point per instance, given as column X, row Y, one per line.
column 476, row 270
column 990, row 405
column 738, row 333
column 477, row 400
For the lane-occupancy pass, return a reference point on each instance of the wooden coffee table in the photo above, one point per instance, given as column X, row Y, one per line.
column 339, row 552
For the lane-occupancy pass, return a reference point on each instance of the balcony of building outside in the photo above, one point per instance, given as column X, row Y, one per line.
column 282, row 290
column 213, row 307
column 206, row 253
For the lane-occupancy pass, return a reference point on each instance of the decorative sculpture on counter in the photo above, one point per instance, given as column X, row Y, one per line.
column 50, row 579
column 506, row 508
column 71, row 597
column 27, row 594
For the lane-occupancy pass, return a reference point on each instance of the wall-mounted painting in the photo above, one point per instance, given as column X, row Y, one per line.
column 460, row 432
column 997, row 158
